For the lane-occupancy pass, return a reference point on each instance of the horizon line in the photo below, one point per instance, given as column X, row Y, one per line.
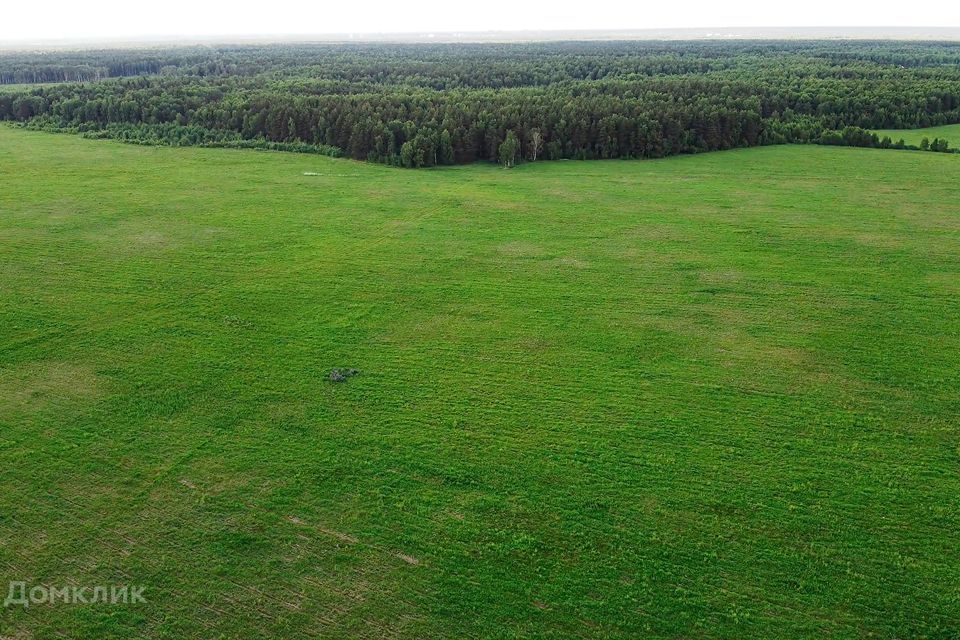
column 510, row 35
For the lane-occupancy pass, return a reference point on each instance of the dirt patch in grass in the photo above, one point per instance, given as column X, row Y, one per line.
column 149, row 240
column 36, row 385
column 563, row 195
column 947, row 282
column 573, row 263
column 519, row 249
column 720, row 277
column 343, row 537
column 879, row 240
column 144, row 236
column 407, row 558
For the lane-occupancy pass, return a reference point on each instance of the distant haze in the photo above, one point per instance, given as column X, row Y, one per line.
column 708, row 33
column 121, row 21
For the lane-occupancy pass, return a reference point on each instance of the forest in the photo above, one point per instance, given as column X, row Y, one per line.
column 417, row 105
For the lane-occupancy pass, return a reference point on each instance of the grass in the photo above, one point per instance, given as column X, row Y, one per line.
column 26, row 87
column 710, row 396
column 948, row 132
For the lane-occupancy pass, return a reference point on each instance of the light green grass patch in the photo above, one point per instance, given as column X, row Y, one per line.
column 949, row 132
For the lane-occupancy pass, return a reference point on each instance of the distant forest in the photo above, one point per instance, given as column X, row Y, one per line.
column 419, row 105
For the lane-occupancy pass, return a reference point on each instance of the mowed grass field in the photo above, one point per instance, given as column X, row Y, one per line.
column 711, row 396
column 948, row 132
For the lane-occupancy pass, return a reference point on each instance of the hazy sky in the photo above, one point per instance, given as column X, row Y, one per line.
column 125, row 18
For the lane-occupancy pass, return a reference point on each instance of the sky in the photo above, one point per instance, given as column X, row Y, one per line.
column 126, row 19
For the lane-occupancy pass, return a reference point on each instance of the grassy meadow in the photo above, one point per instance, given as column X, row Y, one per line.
column 711, row 396
column 22, row 87
column 948, row 132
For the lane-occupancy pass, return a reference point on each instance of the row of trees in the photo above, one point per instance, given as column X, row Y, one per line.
column 857, row 137
column 440, row 104
column 475, row 65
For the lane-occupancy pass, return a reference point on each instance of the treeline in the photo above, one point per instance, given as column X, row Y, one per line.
column 423, row 105
column 421, row 127
column 446, row 66
column 175, row 135
column 857, row 137
column 33, row 67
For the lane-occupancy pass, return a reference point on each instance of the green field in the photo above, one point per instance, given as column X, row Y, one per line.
column 711, row 396
column 948, row 132
column 25, row 87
